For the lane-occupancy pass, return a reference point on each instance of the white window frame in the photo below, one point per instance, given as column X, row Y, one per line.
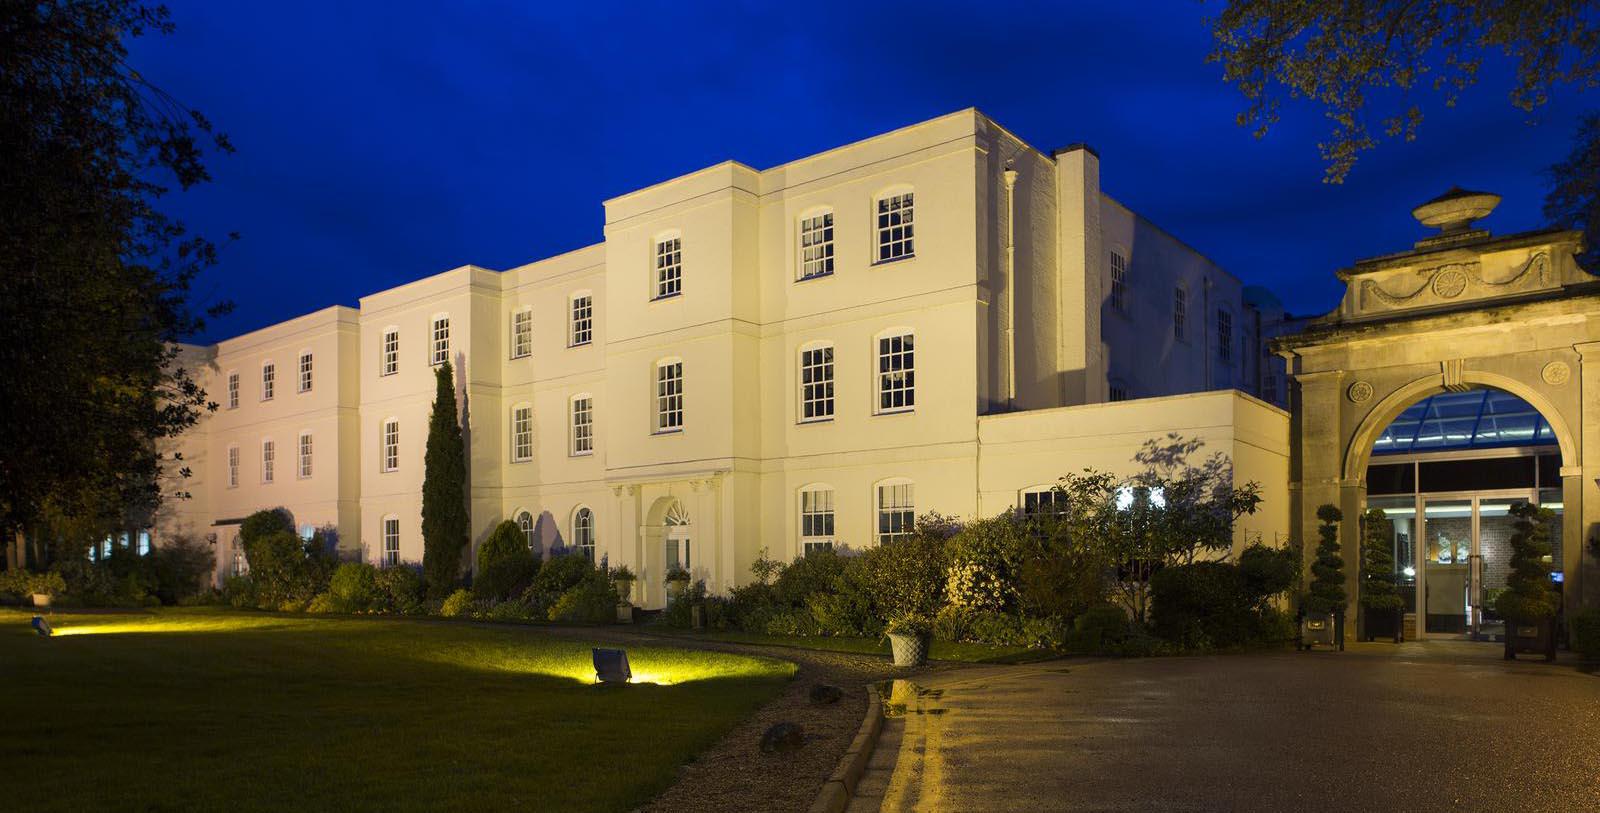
column 233, row 389
column 522, row 333
column 233, row 466
column 900, row 516
column 1040, row 500
column 528, row 528
column 391, row 540
column 305, row 365
column 389, row 445
column 580, row 432
column 389, row 352
column 894, row 389
column 669, row 411
column 522, row 433
column 817, row 376
column 814, row 235
column 580, row 318
column 269, row 380
column 269, row 461
column 1119, row 282
column 1180, row 312
column 583, row 533
column 666, row 257
column 304, row 449
column 817, row 517
column 893, row 226
column 438, row 339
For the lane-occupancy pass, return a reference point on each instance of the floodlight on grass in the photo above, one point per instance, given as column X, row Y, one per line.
column 611, row 666
column 41, row 626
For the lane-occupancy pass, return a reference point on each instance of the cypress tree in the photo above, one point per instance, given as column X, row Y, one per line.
column 1327, row 583
column 444, row 500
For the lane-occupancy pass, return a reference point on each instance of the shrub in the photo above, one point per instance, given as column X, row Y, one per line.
column 1201, row 605
column 817, row 571
column 749, row 607
column 239, row 592
column 1099, row 629
column 353, row 588
column 593, row 601
column 985, row 557
column 512, row 611
column 1528, row 598
column 445, row 522
column 908, row 624
column 905, row 577
column 1327, row 584
column 797, row 623
column 956, row 623
column 1586, row 633
column 323, row 603
column 183, row 566
column 505, row 563
column 556, row 576
column 398, row 589
column 1267, row 573
column 264, row 523
column 458, row 605
column 847, row 612
column 678, row 612
column 1043, row 633
column 21, row 584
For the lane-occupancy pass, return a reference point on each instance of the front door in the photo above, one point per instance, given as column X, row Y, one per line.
column 680, row 550
column 1465, row 551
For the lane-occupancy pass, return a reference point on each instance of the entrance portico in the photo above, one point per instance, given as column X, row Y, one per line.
column 1463, row 310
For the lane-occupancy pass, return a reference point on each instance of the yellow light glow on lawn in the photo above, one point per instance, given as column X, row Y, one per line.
column 145, row 625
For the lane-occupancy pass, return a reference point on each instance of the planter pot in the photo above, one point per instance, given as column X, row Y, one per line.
column 624, row 589
column 909, row 650
column 41, row 599
column 1536, row 638
column 676, row 589
column 697, row 616
column 1317, row 629
column 1384, row 624
column 624, row 613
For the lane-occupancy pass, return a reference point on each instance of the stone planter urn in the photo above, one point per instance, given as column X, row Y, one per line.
column 1531, row 638
column 624, row 588
column 910, row 648
column 1316, row 629
column 676, row 588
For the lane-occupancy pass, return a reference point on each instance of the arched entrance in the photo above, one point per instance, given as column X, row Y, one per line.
column 678, row 552
column 1446, row 472
column 1463, row 312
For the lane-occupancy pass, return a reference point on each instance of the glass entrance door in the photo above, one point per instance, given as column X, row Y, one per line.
column 1447, row 531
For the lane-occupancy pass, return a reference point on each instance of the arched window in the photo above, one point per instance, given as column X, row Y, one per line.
column 525, row 522
column 897, row 510
column 583, row 531
column 816, row 517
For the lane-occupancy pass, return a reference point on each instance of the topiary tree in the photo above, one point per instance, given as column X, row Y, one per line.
column 1327, row 572
column 1528, row 598
column 505, row 563
column 445, row 524
column 1378, row 594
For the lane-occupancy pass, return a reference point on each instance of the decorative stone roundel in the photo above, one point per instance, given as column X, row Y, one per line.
column 1449, row 284
column 1360, row 392
column 1556, row 373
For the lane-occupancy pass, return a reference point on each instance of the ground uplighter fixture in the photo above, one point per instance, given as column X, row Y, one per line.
column 41, row 626
column 611, row 666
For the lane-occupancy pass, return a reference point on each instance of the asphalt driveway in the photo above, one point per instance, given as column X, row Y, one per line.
column 1380, row 727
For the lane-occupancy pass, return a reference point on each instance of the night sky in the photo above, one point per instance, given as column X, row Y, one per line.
column 379, row 145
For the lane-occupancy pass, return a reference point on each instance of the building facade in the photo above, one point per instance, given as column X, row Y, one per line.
column 937, row 318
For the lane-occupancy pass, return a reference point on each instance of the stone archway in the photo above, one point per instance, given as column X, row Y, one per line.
column 1462, row 310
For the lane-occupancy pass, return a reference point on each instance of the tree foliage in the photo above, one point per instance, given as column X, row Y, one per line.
column 505, row 563
column 1327, row 571
column 445, row 524
column 94, row 278
column 1574, row 198
column 1355, row 60
column 1377, row 562
column 1528, row 597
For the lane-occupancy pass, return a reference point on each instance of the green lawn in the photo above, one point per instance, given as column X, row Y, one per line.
column 212, row 709
column 940, row 651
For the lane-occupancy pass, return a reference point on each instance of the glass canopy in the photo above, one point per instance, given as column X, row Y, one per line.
column 1475, row 419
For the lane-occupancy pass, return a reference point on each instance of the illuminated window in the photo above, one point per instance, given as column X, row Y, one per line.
column 669, row 267
column 582, row 320
column 233, row 390
column 391, row 352
column 669, row 396
column 305, row 455
column 816, row 518
column 522, row 333
column 233, row 467
column 269, row 375
column 1224, row 335
column 582, row 425
column 391, row 445
column 1119, row 282
column 1180, row 311
column 521, row 434
column 391, row 541
column 816, row 245
column 143, row 548
column 305, row 372
column 441, row 340
column 816, row 383
column 897, row 383
column 895, row 228
column 269, row 454
column 897, row 512
column 583, row 532
column 525, row 523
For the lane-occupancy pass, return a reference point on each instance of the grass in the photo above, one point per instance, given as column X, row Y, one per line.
column 940, row 650
column 188, row 709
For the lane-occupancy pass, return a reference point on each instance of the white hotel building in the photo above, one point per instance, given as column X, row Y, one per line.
column 936, row 318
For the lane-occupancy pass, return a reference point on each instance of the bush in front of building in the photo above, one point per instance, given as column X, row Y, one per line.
column 459, row 604
column 506, row 565
column 1585, row 626
column 352, row 589
column 985, row 559
column 591, row 601
column 399, row 589
column 182, row 567
column 558, row 574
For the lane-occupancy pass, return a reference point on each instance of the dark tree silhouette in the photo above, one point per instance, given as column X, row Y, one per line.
column 1574, row 198
column 444, row 498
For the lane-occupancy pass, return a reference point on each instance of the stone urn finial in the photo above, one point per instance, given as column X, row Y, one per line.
column 1455, row 211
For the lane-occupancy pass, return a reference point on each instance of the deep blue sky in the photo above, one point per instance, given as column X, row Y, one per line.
column 381, row 144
